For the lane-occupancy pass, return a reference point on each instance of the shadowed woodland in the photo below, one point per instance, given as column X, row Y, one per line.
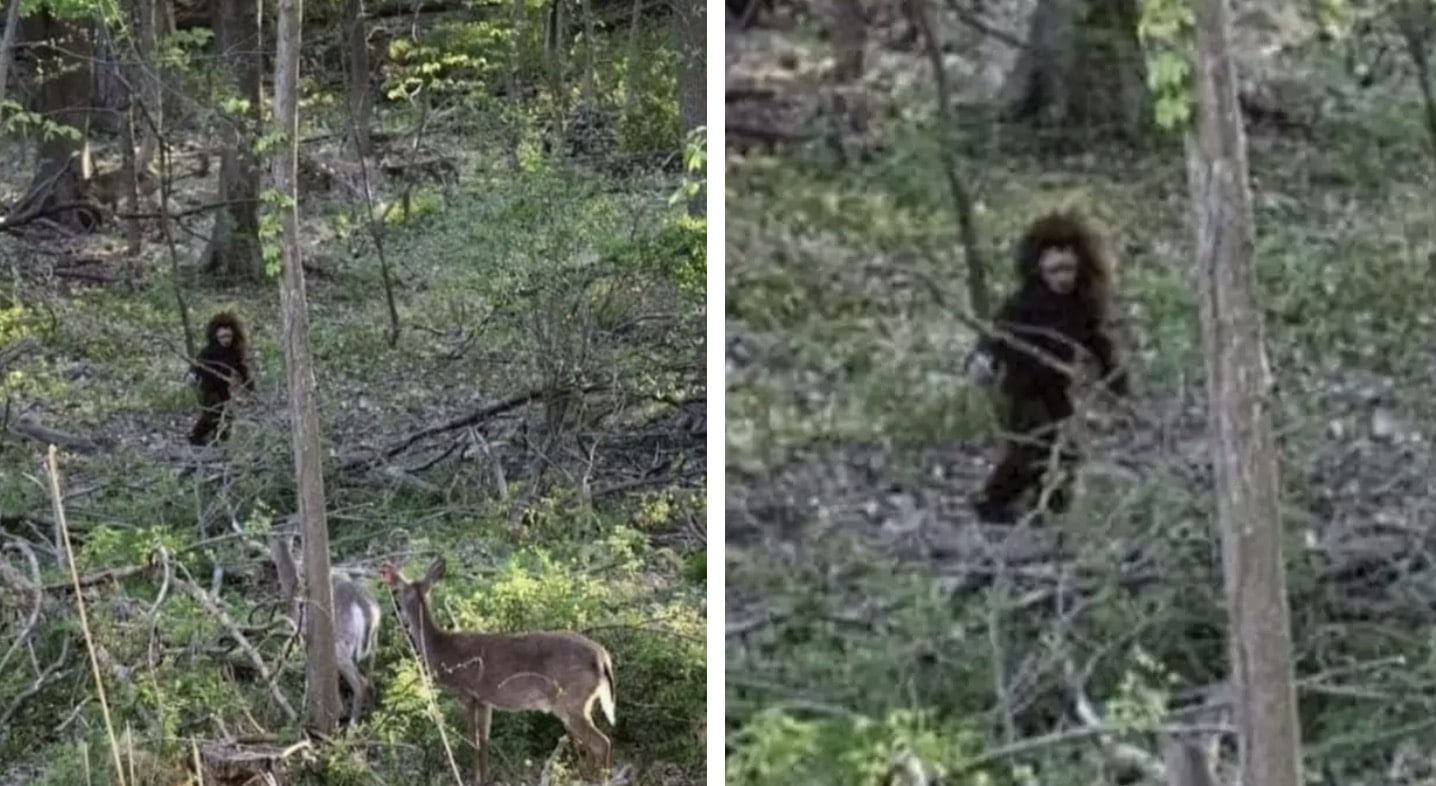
column 883, row 159
column 457, row 252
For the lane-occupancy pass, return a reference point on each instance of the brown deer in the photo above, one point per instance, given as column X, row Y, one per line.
column 560, row 672
column 356, row 620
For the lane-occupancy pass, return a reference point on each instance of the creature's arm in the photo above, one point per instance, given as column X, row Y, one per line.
column 984, row 363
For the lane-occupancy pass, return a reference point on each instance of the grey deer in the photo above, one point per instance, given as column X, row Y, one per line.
column 356, row 621
column 561, row 672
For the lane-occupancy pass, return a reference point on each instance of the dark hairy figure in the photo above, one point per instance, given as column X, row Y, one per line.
column 220, row 366
column 1059, row 309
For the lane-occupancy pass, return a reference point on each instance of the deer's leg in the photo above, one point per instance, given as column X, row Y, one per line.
column 355, row 680
column 482, row 714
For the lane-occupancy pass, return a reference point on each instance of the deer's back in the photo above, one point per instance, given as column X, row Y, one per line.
column 520, row 670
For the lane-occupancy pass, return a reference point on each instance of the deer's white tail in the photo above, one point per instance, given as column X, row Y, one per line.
column 605, row 690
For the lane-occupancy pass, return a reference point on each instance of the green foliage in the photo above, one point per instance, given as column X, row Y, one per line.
column 1165, row 29
column 15, row 119
column 271, row 229
column 678, row 250
column 777, row 748
column 649, row 119
column 695, row 164
column 415, row 67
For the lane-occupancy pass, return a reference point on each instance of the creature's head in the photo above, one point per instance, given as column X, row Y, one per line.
column 225, row 330
column 1062, row 254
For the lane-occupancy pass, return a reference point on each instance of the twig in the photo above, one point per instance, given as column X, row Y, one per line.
column 255, row 659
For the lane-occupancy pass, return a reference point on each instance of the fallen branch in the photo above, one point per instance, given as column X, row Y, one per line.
column 255, row 659
column 493, row 410
column 17, row 350
column 28, row 425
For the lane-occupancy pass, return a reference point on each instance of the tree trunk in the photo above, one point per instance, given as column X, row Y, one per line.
column 590, row 92
column 149, row 77
column 1083, row 69
column 516, row 119
column 1240, row 396
column 557, row 46
column 689, row 24
column 62, row 50
column 357, row 76
column 234, row 250
column 7, row 44
column 321, row 672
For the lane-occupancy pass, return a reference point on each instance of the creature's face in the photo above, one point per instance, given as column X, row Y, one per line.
column 225, row 336
column 1058, row 267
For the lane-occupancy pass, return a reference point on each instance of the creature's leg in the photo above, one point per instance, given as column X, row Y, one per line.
column 204, row 428
column 1020, row 468
column 1013, row 475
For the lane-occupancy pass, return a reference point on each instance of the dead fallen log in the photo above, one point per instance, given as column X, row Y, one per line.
column 235, row 762
column 536, row 396
column 28, row 425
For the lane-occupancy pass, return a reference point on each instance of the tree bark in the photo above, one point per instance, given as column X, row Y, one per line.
column 590, row 92
column 7, row 44
column 1083, row 69
column 63, row 52
column 234, row 250
column 321, row 672
column 689, row 24
column 556, row 46
column 149, row 77
column 357, row 76
column 1240, row 395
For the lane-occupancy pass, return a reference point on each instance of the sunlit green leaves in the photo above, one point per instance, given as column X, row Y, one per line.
column 1165, row 29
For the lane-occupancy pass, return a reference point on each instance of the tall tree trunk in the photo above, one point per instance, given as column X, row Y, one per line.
column 1240, row 393
column 321, row 672
column 234, row 250
column 7, row 44
column 1083, row 69
column 689, row 35
column 589, row 68
column 148, row 76
column 357, row 76
column 62, row 52
column 515, row 119
column 556, row 48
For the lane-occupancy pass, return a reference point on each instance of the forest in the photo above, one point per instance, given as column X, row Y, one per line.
column 1224, row 574
column 352, row 387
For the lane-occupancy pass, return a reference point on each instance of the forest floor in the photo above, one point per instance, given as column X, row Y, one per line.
column 866, row 609
column 507, row 288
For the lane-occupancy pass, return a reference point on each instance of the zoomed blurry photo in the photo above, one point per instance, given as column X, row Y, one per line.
column 1078, row 361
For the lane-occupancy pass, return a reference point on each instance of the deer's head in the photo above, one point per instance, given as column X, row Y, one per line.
column 412, row 594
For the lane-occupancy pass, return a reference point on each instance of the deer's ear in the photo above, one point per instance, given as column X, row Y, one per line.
column 436, row 571
column 388, row 575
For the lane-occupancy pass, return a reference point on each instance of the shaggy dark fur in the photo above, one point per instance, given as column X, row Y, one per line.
column 217, row 369
column 1034, row 393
